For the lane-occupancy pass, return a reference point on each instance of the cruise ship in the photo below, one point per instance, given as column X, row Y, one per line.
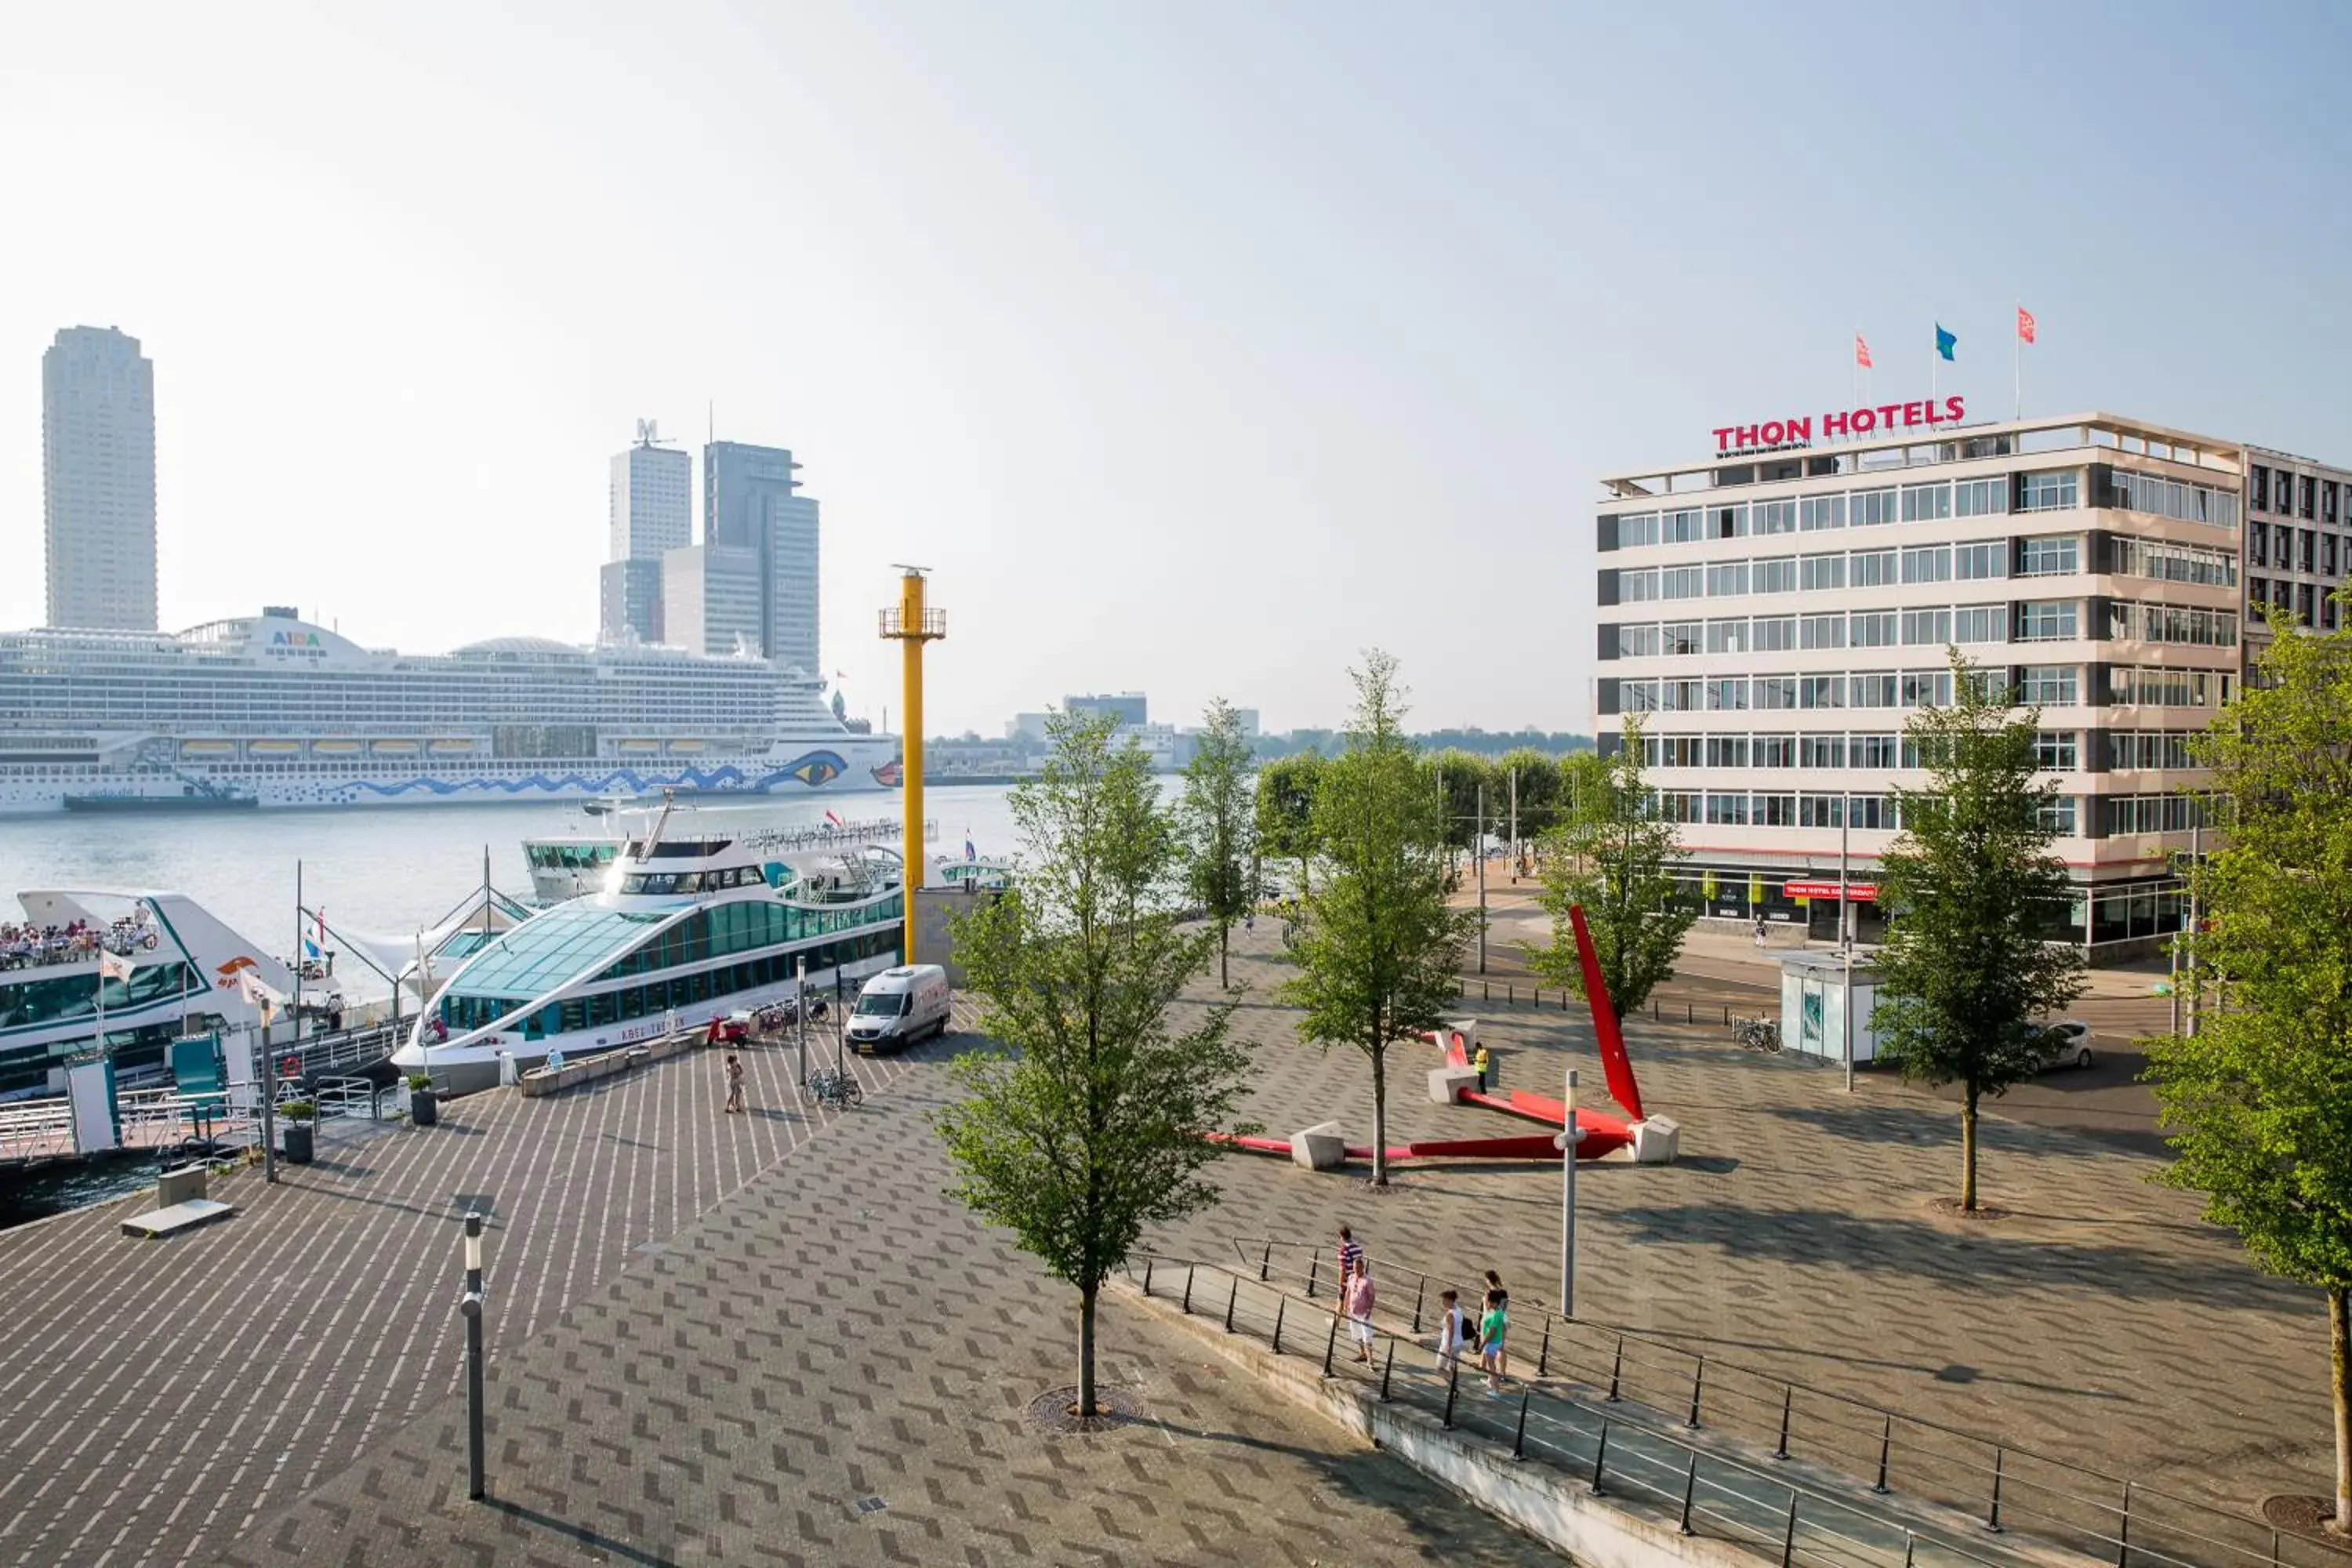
column 273, row 711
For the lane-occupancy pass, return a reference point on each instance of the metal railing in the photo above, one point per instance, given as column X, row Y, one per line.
column 1999, row 1483
column 318, row 1055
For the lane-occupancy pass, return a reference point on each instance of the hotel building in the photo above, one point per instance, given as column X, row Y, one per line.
column 1770, row 616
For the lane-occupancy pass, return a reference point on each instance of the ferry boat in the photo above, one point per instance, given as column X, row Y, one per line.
column 184, row 980
column 569, row 866
column 273, row 711
column 686, row 927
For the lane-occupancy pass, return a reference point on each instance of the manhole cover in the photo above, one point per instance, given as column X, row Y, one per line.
column 1055, row 1410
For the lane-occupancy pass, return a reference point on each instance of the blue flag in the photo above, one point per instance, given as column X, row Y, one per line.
column 1943, row 341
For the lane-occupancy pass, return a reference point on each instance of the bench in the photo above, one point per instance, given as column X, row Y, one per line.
column 179, row 1216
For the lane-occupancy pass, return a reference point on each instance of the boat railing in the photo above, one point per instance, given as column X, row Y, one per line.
column 349, row 1097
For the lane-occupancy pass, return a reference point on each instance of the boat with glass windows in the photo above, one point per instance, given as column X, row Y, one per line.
column 687, row 925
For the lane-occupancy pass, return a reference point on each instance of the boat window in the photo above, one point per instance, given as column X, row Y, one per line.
column 690, row 882
column 73, row 995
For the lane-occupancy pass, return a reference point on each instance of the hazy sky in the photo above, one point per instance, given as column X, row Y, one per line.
column 1196, row 346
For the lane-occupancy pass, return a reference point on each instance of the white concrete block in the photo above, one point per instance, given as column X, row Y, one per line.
column 1446, row 1084
column 1656, row 1141
column 1322, row 1147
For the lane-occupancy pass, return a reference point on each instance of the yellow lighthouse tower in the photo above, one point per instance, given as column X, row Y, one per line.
column 910, row 625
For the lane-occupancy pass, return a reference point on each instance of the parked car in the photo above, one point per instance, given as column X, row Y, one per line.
column 899, row 1007
column 2065, row 1044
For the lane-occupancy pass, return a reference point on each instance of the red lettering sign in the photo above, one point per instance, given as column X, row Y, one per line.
column 1861, row 892
column 1797, row 430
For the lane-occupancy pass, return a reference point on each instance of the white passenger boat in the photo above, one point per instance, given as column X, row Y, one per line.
column 689, row 925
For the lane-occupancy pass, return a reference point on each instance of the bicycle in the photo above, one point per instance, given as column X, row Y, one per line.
column 1758, row 1035
column 835, row 1089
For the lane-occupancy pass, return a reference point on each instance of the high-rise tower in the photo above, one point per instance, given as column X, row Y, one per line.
column 97, row 451
column 751, row 501
column 651, row 511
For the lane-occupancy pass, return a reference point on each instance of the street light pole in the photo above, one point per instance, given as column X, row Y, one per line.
column 1845, row 946
column 1570, row 1136
column 470, row 1307
column 1480, row 851
column 800, row 1010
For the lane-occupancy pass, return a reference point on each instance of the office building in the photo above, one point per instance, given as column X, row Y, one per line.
column 751, row 501
column 1768, row 614
column 1127, row 707
column 2298, row 515
column 98, row 475
column 711, row 599
column 650, row 511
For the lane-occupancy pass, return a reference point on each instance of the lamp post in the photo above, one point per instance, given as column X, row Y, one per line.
column 800, row 1010
column 1571, row 1135
column 470, row 1307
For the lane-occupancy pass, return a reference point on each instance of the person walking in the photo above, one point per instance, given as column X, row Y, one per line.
column 1481, row 1061
column 1454, row 1332
column 1360, row 1308
column 1351, row 1252
column 1759, row 934
column 734, row 1084
column 1494, row 1329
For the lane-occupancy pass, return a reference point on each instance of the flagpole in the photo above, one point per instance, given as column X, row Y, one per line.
column 2017, row 354
column 1858, row 367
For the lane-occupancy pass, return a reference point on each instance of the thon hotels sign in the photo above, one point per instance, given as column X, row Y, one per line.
column 1739, row 441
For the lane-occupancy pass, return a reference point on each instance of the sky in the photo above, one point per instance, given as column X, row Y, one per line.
column 1196, row 349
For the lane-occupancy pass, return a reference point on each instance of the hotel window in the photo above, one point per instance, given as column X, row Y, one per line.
column 1874, row 568
column 1873, row 811
column 1776, row 811
column 1678, row 806
column 1821, row 690
column 1980, row 623
column 1980, row 497
column 2258, row 591
column 1926, row 503
column 1928, row 627
column 1725, row 579
column 1727, row 521
column 1682, row 582
column 1871, row 628
column 2056, row 816
column 2327, row 614
column 1681, row 638
column 1821, row 810
column 1727, row 637
column 2310, row 549
column 1726, row 751
column 1877, row 751
column 1822, row 572
column 2258, row 543
column 1926, row 688
column 1726, row 696
column 2327, row 554
column 1776, row 750
column 1821, row 751
column 2053, row 620
column 1815, row 513
column 1727, row 810
column 1775, row 634
column 1637, row 696
column 2054, row 749
column 2175, row 562
column 1684, row 527
column 2328, row 500
column 1928, row 564
column 2050, row 685
column 1874, row 690
column 1775, row 575
column 2304, row 604
column 2303, row 507
column 1775, row 516
column 1870, row 509
column 1776, row 691
column 1970, row 562
column 2259, row 491
column 2055, row 492
column 1681, row 696
column 1822, row 631
column 1637, row 587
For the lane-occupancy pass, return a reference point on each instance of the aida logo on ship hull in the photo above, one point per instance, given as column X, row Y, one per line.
column 1869, row 420
column 301, row 644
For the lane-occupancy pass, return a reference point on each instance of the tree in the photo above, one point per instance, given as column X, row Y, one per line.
column 1975, row 899
column 1285, row 812
column 1220, row 824
column 1090, row 1126
column 1541, row 791
column 1458, row 777
column 2258, row 1101
column 1378, row 950
column 1614, row 855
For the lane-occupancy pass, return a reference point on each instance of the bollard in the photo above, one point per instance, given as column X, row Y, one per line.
column 1279, row 1308
column 1600, row 1454
column 1726, row 1015
column 1789, row 1536
column 1543, row 1356
column 1230, row 1296
column 1698, row 1376
column 1686, row 1010
column 1387, row 1367
column 1789, row 1394
column 1519, row 1438
column 2123, row 1532
column 1690, row 1486
column 1265, row 1264
column 1417, row 1289
column 1147, row 1275
column 1485, row 992
column 1452, row 1387
column 1510, row 991
column 1992, row 1522
column 1331, row 1344
column 1188, row 1288
column 1886, row 1448
column 1910, row 1545
column 1615, row 1368
column 1313, row 1263
column 1655, row 1015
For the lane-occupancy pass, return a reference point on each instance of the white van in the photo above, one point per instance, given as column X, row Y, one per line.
column 899, row 1007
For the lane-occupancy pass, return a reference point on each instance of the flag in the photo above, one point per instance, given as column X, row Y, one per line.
column 1861, row 352
column 969, row 852
column 2024, row 323
column 833, row 817
column 114, row 965
column 310, row 948
column 249, row 986
column 1943, row 341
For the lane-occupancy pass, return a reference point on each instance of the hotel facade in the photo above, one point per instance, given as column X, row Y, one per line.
column 1771, row 615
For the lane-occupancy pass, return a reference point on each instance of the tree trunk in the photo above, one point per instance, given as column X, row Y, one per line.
column 1224, row 974
column 2339, row 1387
column 1379, row 1119
column 1968, row 1149
column 1086, row 1352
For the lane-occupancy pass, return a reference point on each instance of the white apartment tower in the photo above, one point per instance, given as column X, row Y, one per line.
column 1768, row 614
column 97, row 471
column 650, row 511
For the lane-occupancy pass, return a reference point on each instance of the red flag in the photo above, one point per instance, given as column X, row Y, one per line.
column 2025, row 324
column 1861, row 352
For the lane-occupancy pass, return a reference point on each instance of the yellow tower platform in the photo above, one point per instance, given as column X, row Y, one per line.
column 910, row 625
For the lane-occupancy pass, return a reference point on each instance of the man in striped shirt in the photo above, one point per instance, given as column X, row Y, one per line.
column 1350, row 1252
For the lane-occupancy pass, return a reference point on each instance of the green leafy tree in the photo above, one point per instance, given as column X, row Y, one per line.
column 1614, row 855
column 1380, row 949
column 1220, row 825
column 1538, row 780
column 2258, row 1101
column 1285, row 812
column 1975, row 899
column 1458, row 777
column 1089, row 1126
